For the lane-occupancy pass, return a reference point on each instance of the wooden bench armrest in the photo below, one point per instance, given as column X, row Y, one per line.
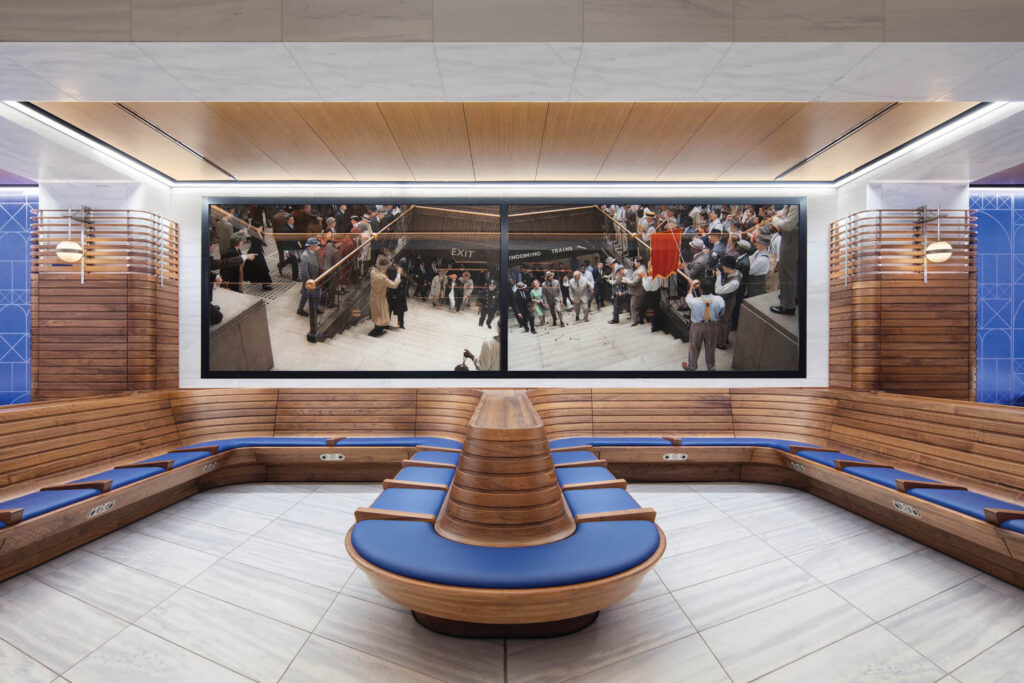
column 603, row 484
column 426, row 463
column 103, row 485
column 12, row 516
column 331, row 443
column 600, row 462
column 561, row 449
column 997, row 516
column 813, row 449
column 674, row 440
column 843, row 464
column 197, row 449
column 441, row 449
column 165, row 464
column 363, row 514
column 904, row 485
column 400, row 484
column 645, row 514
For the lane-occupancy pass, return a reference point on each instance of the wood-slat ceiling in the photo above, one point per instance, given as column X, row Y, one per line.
column 490, row 141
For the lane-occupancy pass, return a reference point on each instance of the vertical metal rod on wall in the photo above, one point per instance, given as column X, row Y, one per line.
column 82, row 237
column 503, row 287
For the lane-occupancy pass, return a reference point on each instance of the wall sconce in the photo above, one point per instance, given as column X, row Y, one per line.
column 70, row 252
column 938, row 252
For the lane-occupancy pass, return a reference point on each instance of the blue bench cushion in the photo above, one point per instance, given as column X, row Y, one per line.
column 120, row 478
column 426, row 475
column 438, row 456
column 781, row 444
column 609, row 441
column 883, row 475
column 430, row 441
column 827, row 458
column 1014, row 524
column 563, row 457
column 967, row 502
column 263, row 441
column 596, row 550
column 599, row 500
column 410, row 500
column 179, row 459
column 582, row 475
column 41, row 502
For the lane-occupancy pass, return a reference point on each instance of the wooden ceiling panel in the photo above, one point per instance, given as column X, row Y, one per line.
column 119, row 129
column 195, row 124
column 277, row 129
column 892, row 129
column 358, row 135
column 727, row 135
column 432, row 137
column 653, row 134
column 578, row 137
column 812, row 127
column 505, row 138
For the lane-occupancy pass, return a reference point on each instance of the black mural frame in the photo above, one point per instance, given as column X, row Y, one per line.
column 474, row 376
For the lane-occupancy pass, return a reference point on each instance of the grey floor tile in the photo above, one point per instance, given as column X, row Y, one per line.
column 358, row 586
column 266, row 503
column 850, row 556
column 135, row 655
column 18, row 667
column 767, row 639
column 292, row 602
column 56, row 563
column 689, row 538
column 617, row 635
column 814, row 533
column 882, row 591
column 324, row 660
column 1003, row 662
column 687, row 659
column 396, row 637
column 698, row 566
column 317, row 569
column 651, row 586
column 873, row 655
column 235, row 519
column 53, row 628
column 245, row 642
column 201, row 536
column 958, row 624
column 336, row 520
column 160, row 558
column 113, row 587
column 305, row 536
column 713, row 602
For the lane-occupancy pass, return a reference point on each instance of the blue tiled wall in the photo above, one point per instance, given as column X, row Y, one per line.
column 1000, row 297
column 15, row 357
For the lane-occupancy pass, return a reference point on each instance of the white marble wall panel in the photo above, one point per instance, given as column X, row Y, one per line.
column 508, row 20
column 798, row 20
column 617, row 72
column 482, row 72
column 17, row 83
column 220, row 21
column 1002, row 79
column 645, row 21
column 371, row 72
column 357, row 20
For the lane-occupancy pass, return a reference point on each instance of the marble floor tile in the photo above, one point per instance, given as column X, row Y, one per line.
column 873, row 655
column 53, row 565
column 713, row 602
column 136, row 655
column 52, row 628
column 688, row 538
column 396, row 637
column 651, row 586
column 850, row 556
column 787, row 514
column 236, row 519
column 956, row 625
column 686, row 659
column 815, row 533
column 243, row 641
column 324, row 660
column 358, row 586
column 317, row 569
column 113, row 587
column 616, row 635
column 254, row 501
column 1003, row 662
column 698, row 566
column 336, row 520
column 287, row 600
column 767, row 639
column 201, row 536
column 160, row 558
column 17, row 666
column 305, row 536
column 882, row 591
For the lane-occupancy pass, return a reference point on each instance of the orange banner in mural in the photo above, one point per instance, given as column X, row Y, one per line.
column 665, row 252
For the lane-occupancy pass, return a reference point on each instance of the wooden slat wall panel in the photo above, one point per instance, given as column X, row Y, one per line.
column 662, row 412
column 204, row 414
column 565, row 412
column 805, row 415
column 445, row 412
column 345, row 412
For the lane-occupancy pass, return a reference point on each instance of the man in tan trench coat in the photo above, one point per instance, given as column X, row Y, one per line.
column 379, row 285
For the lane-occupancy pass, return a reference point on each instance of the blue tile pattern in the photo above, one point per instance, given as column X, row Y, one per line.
column 15, row 309
column 1000, row 297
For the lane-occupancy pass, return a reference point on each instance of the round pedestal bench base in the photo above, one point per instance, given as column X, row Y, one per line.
column 468, row 629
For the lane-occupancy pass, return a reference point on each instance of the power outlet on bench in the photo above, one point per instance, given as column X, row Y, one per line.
column 332, row 457
column 797, row 466
column 674, row 456
column 906, row 509
column 100, row 509
column 210, row 467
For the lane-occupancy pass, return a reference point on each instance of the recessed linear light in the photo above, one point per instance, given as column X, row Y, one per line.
column 27, row 190
column 1001, row 189
column 132, row 166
